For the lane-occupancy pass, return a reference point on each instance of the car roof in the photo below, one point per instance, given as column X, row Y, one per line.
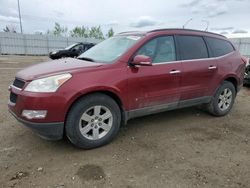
column 84, row 43
column 175, row 31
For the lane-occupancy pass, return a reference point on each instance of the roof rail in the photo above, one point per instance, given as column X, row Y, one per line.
column 186, row 30
column 128, row 32
column 132, row 32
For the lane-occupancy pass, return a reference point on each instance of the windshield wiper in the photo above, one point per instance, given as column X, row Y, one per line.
column 86, row 59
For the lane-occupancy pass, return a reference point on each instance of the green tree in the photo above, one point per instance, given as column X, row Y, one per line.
column 96, row 32
column 80, row 32
column 59, row 30
column 110, row 33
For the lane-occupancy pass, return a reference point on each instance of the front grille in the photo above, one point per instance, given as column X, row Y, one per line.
column 18, row 83
column 13, row 97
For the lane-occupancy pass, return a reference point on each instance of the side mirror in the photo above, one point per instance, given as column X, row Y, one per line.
column 142, row 60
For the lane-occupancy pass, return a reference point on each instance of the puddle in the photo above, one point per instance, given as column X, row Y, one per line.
column 90, row 172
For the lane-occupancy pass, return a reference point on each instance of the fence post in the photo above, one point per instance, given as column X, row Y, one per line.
column 25, row 45
column 47, row 43
column 0, row 45
column 240, row 42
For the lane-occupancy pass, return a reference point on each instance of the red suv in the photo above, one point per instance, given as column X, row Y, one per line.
column 130, row 75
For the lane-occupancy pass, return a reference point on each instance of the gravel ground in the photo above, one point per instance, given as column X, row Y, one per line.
column 182, row 148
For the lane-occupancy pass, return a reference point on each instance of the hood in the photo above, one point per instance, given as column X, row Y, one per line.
column 54, row 67
column 57, row 50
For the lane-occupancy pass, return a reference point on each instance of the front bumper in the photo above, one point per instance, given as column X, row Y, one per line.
column 52, row 56
column 52, row 126
column 49, row 131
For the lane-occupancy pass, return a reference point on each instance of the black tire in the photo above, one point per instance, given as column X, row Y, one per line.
column 213, row 107
column 82, row 105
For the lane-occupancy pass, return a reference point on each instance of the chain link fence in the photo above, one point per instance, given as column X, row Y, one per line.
column 28, row 44
column 243, row 45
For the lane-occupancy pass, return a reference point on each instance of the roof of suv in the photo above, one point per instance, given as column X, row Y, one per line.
column 172, row 29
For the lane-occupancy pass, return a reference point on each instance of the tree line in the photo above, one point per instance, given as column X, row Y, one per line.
column 78, row 31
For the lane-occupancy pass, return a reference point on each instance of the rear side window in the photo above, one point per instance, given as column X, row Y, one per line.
column 219, row 47
column 192, row 47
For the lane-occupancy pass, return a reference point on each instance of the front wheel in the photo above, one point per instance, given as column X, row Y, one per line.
column 93, row 121
column 223, row 99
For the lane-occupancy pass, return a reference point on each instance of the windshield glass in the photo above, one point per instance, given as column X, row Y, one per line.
column 110, row 49
column 67, row 48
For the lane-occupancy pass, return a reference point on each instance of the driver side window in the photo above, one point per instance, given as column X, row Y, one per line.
column 160, row 50
column 77, row 47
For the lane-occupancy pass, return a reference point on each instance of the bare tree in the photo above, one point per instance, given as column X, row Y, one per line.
column 10, row 29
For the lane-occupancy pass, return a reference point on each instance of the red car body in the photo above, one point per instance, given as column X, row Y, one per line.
column 152, row 88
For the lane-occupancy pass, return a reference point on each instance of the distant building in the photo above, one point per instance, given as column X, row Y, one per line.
column 243, row 45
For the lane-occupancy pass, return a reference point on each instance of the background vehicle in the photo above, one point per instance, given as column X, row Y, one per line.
column 247, row 73
column 73, row 50
column 130, row 75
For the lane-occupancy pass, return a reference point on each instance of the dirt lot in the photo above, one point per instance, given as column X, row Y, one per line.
column 182, row 148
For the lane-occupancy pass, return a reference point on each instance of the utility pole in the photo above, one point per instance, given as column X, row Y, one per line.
column 20, row 19
column 183, row 27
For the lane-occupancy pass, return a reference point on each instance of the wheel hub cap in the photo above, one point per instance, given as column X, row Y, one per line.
column 96, row 122
column 225, row 99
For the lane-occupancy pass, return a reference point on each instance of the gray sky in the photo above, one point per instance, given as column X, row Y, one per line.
column 230, row 17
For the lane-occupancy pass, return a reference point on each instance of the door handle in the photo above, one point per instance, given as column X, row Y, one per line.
column 212, row 67
column 175, row 72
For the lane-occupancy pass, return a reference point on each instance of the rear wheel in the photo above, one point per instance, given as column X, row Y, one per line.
column 93, row 121
column 223, row 100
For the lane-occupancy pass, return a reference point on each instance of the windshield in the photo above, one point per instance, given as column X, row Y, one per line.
column 110, row 49
column 72, row 45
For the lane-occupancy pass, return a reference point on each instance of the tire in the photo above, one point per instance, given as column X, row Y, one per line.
column 222, row 102
column 83, row 117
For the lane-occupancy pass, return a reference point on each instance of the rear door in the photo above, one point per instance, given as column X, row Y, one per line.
column 199, row 72
column 157, row 84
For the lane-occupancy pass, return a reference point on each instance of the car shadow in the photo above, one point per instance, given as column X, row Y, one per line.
column 166, row 119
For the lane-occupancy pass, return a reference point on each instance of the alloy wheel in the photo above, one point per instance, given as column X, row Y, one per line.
column 96, row 122
column 225, row 99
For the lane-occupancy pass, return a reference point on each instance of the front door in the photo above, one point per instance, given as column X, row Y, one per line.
column 157, row 84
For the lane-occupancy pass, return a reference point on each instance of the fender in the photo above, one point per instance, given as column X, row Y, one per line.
column 94, row 89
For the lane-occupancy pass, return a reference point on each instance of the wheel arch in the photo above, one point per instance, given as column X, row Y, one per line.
column 233, row 80
column 107, row 92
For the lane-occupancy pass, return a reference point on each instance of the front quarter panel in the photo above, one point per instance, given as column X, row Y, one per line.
column 109, row 78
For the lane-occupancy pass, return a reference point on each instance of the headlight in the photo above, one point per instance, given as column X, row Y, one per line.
column 49, row 84
column 54, row 52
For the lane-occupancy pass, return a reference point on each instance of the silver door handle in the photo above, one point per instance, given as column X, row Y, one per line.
column 212, row 67
column 175, row 72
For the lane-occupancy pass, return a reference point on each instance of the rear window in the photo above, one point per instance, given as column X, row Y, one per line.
column 219, row 47
column 192, row 47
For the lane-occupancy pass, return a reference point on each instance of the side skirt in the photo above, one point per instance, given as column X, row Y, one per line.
column 166, row 107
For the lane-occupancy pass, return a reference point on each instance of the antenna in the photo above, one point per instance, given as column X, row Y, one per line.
column 207, row 22
column 183, row 27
